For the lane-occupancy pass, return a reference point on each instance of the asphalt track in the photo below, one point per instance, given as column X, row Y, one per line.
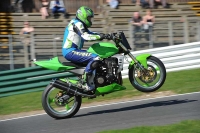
column 157, row 111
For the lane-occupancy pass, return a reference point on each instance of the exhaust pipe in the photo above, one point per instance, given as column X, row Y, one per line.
column 69, row 88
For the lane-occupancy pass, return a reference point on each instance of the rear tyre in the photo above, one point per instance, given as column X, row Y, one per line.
column 119, row 79
column 59, row 104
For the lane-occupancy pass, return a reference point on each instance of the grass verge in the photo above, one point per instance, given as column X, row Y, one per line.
column 177, row 82
column 189, row 126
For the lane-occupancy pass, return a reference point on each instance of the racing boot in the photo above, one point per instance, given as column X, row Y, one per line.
column 88, row 81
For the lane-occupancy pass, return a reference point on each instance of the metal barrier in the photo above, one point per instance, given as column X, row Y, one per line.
column 10, row 45
column 175, row 58
column 26, row 80
column 188, row 31
column 18, row 52
column 135, row 35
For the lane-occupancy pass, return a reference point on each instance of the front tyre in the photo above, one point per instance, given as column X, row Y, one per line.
column 151, row 79
column 59, row 104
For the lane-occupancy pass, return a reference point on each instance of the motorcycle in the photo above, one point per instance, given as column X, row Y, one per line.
column 62, row 98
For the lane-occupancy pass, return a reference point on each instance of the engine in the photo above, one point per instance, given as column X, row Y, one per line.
column 107, row 73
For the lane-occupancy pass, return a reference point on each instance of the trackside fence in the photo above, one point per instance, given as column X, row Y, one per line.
column 26, row 80
column 175, row 58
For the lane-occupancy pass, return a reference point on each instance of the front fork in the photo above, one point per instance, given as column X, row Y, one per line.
column 135, row 61
column 140, row 60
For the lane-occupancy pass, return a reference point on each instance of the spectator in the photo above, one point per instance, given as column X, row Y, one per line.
column 148, row 21
column 17, row 6
column 144, row 3
column 27, row 28
column 113, row 3
column 137, row 2
column 43, row 10
column 155, row 3
column 27, row 5
column 137, row 21
column 25, row 32
column 57, row 6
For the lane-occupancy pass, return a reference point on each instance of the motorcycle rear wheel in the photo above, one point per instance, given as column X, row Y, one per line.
column 57, row 103
column 119, row 79
column 150, row 81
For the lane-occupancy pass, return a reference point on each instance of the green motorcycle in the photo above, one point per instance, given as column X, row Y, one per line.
column 62, row 98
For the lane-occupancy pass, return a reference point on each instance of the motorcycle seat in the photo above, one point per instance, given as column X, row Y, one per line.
column 69, row 63
column 77, row 65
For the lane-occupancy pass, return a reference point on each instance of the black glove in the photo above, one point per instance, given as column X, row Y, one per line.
column 102, row 36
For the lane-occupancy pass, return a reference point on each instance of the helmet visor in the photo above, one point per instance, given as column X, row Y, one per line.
column 90, row 18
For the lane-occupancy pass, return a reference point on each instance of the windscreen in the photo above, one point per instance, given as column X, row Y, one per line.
column 124, row 40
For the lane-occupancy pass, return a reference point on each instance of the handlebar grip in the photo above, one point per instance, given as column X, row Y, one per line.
column 108, row 36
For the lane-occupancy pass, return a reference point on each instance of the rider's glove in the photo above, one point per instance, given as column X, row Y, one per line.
column 102, row 36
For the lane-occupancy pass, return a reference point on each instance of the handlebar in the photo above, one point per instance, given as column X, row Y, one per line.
column 111, row 36
column 118, row 37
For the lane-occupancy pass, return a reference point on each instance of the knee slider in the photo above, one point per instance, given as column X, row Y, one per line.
column 95, row 64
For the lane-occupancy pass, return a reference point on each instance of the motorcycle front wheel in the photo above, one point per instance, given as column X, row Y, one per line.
column 151, row 79
column 59, row 104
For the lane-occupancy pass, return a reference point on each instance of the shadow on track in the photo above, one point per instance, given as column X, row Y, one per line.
column 153, row 104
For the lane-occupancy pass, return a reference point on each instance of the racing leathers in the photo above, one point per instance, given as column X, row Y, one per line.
column 75, row 35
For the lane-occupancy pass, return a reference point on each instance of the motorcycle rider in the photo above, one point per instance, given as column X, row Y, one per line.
column 74, row 36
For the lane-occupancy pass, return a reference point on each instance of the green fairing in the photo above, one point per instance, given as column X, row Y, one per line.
column 142, row 59
column 103, row 49
column 109, row 88
column 53, row 64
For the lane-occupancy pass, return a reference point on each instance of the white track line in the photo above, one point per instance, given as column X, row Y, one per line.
column 106, row 105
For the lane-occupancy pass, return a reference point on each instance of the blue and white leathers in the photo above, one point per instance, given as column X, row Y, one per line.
column 75, row 35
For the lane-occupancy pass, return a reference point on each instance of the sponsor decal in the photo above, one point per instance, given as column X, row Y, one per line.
column 81, row 53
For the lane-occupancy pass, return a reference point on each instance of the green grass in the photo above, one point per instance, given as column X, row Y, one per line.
column 189, row 126
column 178, row 82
